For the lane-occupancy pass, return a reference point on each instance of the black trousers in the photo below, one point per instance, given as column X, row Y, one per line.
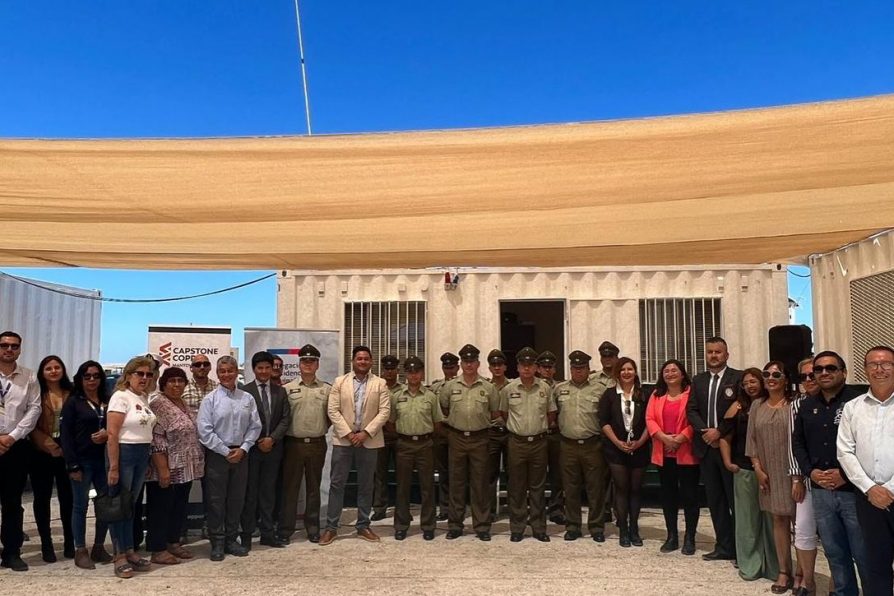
column 878, row 532
column 679, row 488
column 260, row 496
column 13, row 472
column 718, row 483
column 165, row 514
column 46, row 471
column 225, row 487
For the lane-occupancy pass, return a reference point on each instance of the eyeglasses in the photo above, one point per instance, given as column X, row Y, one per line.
column 92, row 376
column 829, row 368
column 143, row 374
column 775, row 374
column 201, row 364
column 806, row 377
column 12, row 347
column 886, row 366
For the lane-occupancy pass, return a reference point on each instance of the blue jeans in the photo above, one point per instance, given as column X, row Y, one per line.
column 839, row 530
column 133, row 461
column 93, row 473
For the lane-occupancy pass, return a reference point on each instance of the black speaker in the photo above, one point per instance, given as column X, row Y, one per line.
column 790, row 344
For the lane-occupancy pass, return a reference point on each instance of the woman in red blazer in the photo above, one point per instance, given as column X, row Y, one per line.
column 672, row 452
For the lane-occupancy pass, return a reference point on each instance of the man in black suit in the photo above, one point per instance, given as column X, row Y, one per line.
column 265, row 457
column 712, row 393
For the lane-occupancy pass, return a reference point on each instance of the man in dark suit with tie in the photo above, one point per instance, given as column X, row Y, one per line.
column 265, row 457
column 712, row 393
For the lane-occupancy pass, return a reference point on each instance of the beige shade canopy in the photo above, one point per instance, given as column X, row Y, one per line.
column 739, row 187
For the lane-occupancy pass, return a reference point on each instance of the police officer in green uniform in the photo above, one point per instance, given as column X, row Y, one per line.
column 497, row 438
column 450, row 368
column 583, row 465
column 527, row 407
column 386, row 454
column 546, row 370
column 415, row 414
column 608, row 358
column 305, row 446
column 471, row 403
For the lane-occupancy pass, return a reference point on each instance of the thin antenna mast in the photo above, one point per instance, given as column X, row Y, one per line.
column 303, row 68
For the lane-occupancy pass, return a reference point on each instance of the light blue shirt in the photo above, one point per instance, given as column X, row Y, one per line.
column 228, row 418
column 359, row 391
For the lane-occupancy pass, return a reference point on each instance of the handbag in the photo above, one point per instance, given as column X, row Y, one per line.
column 110, row 509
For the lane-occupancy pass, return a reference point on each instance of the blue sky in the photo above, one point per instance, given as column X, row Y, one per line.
column 229, row 67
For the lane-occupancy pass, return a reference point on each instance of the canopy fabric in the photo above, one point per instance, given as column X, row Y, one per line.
column 740, row 187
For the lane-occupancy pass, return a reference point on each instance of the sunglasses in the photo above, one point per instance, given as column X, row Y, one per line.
column 201, row 365
column 92, row 376
column 12, row 347
column 143, row 374
column 627, row 406
column 772, row 374
column 829, row 368
column 806, row 377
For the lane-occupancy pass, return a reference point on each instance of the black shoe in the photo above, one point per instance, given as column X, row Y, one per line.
column 287, row 540
column 315, row 538
column 607, row 517
column 400, row 534
column 516, row 537
column 624, row 539
column 671, row 544
column 599, row 536
column 541, row 536
column 688, row 545
column 428, row 534
column 377, row 515
column 483, row 536
column 635, row 538
column 14, row 563
column 451, row 534
column 217, row 551
column 716, row 555
column 572, row 535
column 48, row 553
column 245, row 539
column 235, row 549
column 442, row 517
column 558, row 519
column 271, row 541
column 68, row 551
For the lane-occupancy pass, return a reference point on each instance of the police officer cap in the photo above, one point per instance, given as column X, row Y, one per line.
column 469, row 353
column 309, row 351
column 496, row 357
column 413, row 363
column 449, row 359
column 390, row 362
column 526, row 356
column 547, row 359
column 607, row 348
column 578, row 358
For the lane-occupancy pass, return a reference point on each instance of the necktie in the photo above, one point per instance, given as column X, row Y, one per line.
column 265, row 404
column 712, row 400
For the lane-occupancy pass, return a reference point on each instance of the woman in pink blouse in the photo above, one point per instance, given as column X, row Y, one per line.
column 672, row 452
column 177, row 460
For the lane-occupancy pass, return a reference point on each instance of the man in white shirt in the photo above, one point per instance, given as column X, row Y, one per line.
column 866, row 455
column 19, row 411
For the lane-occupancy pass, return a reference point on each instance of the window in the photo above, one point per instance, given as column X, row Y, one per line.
column 676, row 328
column 872, row 318
column 387, row 328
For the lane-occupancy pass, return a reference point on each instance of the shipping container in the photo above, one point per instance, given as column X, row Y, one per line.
column 650, row 313
column 853, row 299
column 52, row 319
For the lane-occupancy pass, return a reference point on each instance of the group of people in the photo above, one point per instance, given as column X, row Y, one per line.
column 816, row 461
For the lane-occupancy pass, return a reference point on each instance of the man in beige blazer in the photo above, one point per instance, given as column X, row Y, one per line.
column 359, row 406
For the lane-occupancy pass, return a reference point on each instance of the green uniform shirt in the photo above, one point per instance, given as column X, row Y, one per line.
column 309, row 403
column 527, row 407
column 600, row 378
column 577, row 405
column 398, row 387
column 415, row 414
column 469, row 407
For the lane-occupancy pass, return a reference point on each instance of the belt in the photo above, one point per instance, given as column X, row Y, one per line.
column 307, row 439
column 469, row 433
column 424, row 437
column 592, row 439
column 552, row 431
column 528, row 438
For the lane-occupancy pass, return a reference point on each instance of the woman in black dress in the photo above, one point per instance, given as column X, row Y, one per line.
column 622, row 415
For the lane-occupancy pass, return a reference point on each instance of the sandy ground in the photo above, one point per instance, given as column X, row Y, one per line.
column 414, row 566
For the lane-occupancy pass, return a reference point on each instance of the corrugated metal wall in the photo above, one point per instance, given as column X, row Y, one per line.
column 601, row 303
column 832, row 274
column 50, row 322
